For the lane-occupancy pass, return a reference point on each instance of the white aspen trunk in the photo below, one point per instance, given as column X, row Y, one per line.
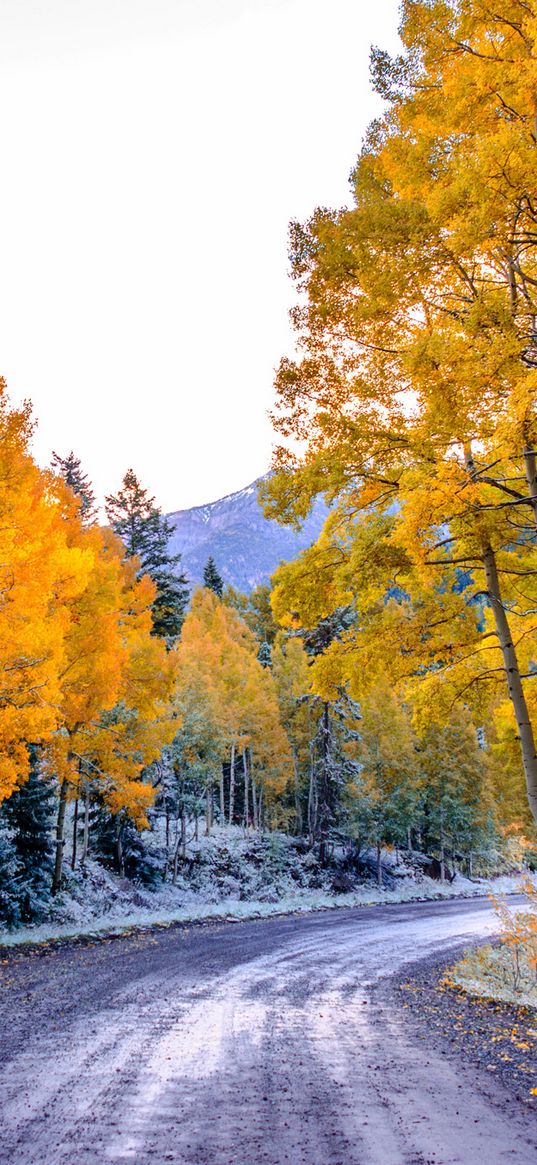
column 261, row 811
column 530, row 466
column 312, row 804
column 246, row 792
column 60, row 837
column 505, row 639
column 254, row 802
column 231, row 784
column 514, row 681
column 183, row 832
column 298, row 807
column 222, row 805
column 75, row 832
column 208, row 810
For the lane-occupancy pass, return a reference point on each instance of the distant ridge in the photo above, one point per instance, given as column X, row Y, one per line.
column 246, row 546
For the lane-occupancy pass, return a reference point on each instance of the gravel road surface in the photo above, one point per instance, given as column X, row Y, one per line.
column 259, row 1043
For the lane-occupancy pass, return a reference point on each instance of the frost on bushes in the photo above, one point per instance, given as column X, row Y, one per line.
column 253, row 868
column 507, row 971
column 226, row 874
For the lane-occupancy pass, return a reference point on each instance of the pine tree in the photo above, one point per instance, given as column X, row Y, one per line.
column 146, row 533
column 333, row 766
column 129, row 513
column 172, row 588
column 10, row 880
column 29, row 813
column 211, row 578
column 120, row 846
column 264, row 654
column 70, row 469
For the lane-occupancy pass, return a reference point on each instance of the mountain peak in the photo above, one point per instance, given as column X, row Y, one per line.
column 246, row 546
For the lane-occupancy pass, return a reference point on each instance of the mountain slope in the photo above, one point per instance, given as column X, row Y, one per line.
column 246, row 546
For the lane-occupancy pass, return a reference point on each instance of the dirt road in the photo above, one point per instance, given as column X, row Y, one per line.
column 252, row 1044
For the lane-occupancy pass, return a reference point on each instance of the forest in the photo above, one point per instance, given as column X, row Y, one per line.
column 380, row 694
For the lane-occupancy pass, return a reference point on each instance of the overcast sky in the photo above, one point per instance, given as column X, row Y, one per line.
column 152, row 155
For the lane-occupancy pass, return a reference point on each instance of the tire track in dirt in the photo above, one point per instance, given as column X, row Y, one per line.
column 258, row 1043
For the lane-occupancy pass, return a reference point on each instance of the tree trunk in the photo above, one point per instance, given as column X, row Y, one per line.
column 85, row 835
column 254, row 799
column 208, row 810
column 75, row 830
column 312, row 803
column 442, row 850
column 324, row 807
column 514, row 681
column 222, row 805
column 298, row 807
column 530, row 466
column 183, row 830
column 261, row 811
column 379, row 864
column 119, row 850
column 60, row 838
column 246, row 791
column 232, row 784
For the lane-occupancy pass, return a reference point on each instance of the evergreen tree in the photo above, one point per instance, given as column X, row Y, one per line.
column 211, row 578
column 333, row 765
column 29, row 813
column 264, row 654
column 73, row 475
column 120, row 846
column 129, row 512
column 146, row 533
column 10, row 879
column 172, row 588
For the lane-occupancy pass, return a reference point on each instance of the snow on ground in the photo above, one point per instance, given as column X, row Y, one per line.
column 228, row 877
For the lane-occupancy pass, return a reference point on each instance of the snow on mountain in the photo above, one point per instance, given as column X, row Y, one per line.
column 246, row 546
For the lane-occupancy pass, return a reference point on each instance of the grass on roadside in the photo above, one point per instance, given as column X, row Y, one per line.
column 507, row 970
column 492, row 972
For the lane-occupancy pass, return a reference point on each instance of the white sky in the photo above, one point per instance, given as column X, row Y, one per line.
column 152, row 155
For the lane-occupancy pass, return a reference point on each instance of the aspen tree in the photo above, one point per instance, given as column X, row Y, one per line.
column 414, row 388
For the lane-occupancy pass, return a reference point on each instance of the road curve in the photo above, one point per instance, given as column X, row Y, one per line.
column 252, row 1044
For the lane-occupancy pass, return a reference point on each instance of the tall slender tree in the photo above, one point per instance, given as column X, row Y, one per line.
column 212, row 579
column 146, row 534
column 70, row 469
